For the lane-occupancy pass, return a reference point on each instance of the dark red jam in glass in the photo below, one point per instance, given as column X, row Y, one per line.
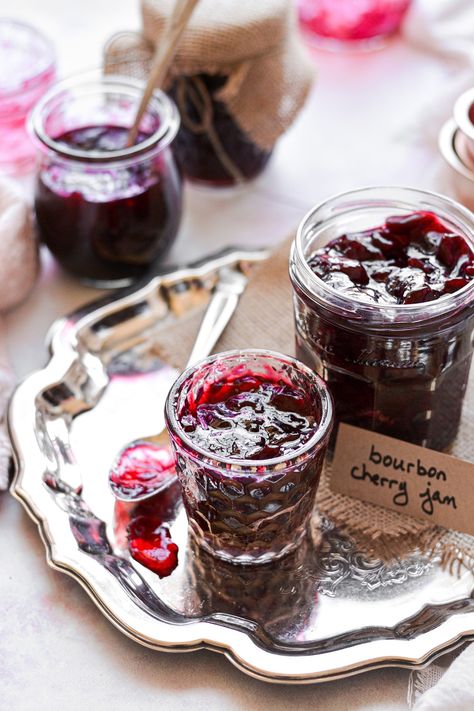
column 250, row 431
column 108, row 213
column 280, row 597
column 384, row 309
column 210, row 147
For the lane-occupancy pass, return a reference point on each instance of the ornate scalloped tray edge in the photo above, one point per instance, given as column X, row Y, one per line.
column 326, row 612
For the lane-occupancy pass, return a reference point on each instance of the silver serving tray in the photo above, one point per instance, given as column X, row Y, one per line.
column 326, row 612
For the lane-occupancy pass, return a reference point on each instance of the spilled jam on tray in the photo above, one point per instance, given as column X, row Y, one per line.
column 145, row 528
column 249, row 416
column 410, row 259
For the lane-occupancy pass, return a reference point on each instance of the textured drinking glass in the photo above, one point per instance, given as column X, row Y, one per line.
column 398, row 369
column 248, row 510
column 27, row 69
column 106, row 211
column 352, row 22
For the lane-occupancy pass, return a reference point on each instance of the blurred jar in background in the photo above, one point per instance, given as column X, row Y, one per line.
column 27, row 69
column 107, row 211
column 240, row 76
column 351, row 23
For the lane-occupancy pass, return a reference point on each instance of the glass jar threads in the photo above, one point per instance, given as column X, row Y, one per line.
column 107, row 212
column 384, row 309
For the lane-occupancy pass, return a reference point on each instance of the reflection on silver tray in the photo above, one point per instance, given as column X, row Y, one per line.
column 322, row 613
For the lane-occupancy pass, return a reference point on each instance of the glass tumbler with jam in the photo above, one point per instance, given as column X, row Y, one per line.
column 383, row 282
column 107, row 212
column 250, row 431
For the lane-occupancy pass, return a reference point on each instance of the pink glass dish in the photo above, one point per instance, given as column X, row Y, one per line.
column 351, row 22
column 27, row 69
column 241, row 507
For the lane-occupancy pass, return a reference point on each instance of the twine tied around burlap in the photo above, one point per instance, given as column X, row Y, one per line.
column 254, row 46
column 264, row 319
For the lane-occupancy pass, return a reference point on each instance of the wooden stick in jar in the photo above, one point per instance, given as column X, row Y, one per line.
column 183, row 10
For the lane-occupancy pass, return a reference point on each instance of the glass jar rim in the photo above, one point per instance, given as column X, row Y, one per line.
column 462, row 113
column 29, row 82
column 157, row 141
column 241, row 466
column 377, row 197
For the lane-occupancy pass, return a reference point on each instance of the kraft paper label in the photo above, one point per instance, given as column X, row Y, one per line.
column 404, row 477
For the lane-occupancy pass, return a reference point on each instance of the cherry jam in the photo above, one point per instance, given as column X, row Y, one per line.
column 249, row 417
column 141, row 469
column 408, row 260
column 245, row 429
column 388, row 321
column 352, row 22
column 107, row 222
column 210, row 147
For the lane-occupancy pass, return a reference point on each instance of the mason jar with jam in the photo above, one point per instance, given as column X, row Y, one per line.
column 107, row 211
column 383, row 282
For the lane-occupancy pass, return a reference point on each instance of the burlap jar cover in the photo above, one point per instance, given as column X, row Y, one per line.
column 254, row 44
column 264, row 319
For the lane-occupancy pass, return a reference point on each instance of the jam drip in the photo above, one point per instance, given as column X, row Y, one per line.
column 147, row 530
column 249, row 417
column 410, row 259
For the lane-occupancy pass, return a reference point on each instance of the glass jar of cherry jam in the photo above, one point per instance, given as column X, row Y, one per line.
column 106, row 211
column 384, row 309
column 250, row 431
column 211, row 149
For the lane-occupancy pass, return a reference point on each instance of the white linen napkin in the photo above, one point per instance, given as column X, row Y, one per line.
column 439, row 689
column 444, row 28
column 18, row 270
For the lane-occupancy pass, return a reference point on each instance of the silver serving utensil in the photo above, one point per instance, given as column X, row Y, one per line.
column 222, row 305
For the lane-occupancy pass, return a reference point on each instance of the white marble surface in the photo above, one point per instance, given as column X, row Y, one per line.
column 361, row 126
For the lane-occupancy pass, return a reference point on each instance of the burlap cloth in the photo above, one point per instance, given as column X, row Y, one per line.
column 255, row 43
column 264, row 319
